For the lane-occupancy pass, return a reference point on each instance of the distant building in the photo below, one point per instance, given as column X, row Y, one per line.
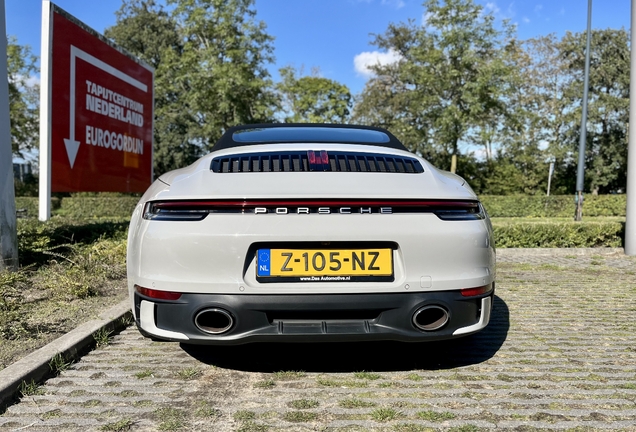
column 22, row 170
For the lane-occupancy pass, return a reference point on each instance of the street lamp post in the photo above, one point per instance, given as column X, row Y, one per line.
column 630, row 221
column 8, row 233
column 581, row 168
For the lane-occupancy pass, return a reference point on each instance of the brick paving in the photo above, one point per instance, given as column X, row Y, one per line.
column 559, row 354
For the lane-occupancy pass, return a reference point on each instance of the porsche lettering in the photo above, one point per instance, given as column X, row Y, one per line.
column 322, row 210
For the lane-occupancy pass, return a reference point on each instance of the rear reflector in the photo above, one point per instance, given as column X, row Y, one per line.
column 156, row 294
column 472, row 292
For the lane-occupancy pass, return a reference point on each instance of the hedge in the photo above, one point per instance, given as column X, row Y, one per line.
column 553, row 206
column 558, row 234
column 81, row 207
column 87, row 207
column 28, row 206
column 497, row 206
column 542, row 232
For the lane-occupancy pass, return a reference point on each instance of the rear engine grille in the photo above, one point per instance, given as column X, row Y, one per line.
column 298, row 161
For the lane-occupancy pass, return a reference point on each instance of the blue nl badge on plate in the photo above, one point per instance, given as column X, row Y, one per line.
column 263, row 262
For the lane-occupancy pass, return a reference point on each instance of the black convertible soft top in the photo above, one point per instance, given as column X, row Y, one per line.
column 306, row 133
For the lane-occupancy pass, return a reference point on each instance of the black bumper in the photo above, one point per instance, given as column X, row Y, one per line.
column 314, row 317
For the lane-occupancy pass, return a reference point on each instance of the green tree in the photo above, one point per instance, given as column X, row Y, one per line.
column 23, row 97
column 608, row 106
column 518, row 169
column 515, row 140
column 453, row 76
column 313, row 99
column 148, row 31
column 210, row 58
column 223, row 65
column 545, row 79
column 384, row 103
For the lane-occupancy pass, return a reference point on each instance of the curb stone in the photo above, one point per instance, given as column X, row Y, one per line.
column 35, row 367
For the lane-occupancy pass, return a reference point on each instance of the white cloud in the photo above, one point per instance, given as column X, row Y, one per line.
column 480, row 154
column 526, row 20
column 28, row 81
column 364, row 60
column 426, row 16
column 33, row 81
column 510, row 12
column 398, row 4
column 538, row 8
column 492, row 7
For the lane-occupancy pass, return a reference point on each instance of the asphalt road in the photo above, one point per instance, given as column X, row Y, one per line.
column 559, row 354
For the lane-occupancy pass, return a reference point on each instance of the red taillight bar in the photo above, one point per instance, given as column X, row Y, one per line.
column 156, row 294
column 194, row 204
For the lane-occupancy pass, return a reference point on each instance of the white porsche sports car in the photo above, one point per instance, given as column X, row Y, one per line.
column 306, row 232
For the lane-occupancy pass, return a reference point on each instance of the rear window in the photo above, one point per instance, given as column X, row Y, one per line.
column 307, row 133
column 310, row 134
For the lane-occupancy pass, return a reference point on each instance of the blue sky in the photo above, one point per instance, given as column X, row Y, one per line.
column 331, row 34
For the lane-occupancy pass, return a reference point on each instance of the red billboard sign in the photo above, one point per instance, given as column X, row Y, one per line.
column 101, row 111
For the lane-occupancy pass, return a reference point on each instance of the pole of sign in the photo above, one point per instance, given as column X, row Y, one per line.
column 550, row 172
column 44, row 211
column 581, row 168
column 8, row 228
column 630, row 222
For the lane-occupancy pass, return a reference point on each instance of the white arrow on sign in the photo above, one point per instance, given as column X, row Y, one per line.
column 72, row 146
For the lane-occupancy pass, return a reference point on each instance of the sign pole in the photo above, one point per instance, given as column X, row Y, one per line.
column 44, row 210
column 8, row 228
column 550, row 172
column 630, row 221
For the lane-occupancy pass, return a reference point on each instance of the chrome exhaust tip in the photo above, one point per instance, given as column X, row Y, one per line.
column 214, row 321
column 429, row 318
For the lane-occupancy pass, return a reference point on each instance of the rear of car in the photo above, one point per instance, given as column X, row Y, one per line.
column 310, row 233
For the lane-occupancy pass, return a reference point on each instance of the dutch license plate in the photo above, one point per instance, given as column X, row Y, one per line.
column 325, row 264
